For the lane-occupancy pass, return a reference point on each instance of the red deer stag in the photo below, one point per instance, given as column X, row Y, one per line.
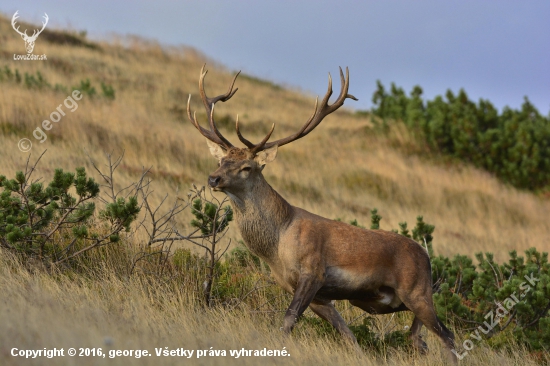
column 317, row 259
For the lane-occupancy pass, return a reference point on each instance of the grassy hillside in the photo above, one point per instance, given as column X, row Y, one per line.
column 343, row 169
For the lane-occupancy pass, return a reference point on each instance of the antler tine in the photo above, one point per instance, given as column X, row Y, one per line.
column 214, row 137
column 294, row 136
column 318, row 113
column 329, row 91
column 216, row 131
column 208, row 134
column 347, row 83
column 343, row 89
column 327, row 109
column 248, row 144
column 210, row 102
column 261, row 145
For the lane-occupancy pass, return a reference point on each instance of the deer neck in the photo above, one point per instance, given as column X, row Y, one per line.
column 261, row 214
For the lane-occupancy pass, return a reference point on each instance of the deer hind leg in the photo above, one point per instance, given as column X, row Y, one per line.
column 416, row 339
column 419, row 301
column 326, row 311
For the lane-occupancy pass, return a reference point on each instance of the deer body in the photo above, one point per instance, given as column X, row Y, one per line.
column 282, row 234
column 316, row 259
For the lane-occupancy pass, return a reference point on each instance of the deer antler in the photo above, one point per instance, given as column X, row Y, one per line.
column 13, row 19
column 24, row 34
column 318, row 114
column 213, row 135
column 312, row 122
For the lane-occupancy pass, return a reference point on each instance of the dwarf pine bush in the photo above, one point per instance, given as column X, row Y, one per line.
column 55, row 221
column 207, row 217
column 514, row 145
column 39, row 81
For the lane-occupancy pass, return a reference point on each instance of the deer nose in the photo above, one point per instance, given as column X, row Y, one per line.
column 213, row 181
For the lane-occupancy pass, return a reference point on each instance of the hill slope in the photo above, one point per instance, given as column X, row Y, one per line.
column 342, row 169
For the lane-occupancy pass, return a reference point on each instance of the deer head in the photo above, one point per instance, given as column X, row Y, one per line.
column 29, row 41
column 240, row 168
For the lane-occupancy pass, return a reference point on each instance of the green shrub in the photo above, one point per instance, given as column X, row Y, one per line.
column 207, row 219
column 514, row 145
column 38, row 81
column 108, row 91
column 86, row 88
column 242, row 257
column 55, row 224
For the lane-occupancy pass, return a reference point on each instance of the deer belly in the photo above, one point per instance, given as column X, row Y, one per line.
column 341, row 284
column 386, row 296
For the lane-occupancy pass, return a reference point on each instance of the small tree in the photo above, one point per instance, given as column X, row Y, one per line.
column 53, row 222
column 211, row 222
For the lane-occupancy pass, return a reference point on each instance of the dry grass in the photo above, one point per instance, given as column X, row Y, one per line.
column 343, row 169
column 139, row 312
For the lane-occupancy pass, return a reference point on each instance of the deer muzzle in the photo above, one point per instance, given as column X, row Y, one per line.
column 213, row 181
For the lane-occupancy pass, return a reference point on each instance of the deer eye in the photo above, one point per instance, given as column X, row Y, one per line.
column 246, row 169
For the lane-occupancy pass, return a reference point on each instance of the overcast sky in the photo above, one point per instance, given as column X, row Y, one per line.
column 496, row 50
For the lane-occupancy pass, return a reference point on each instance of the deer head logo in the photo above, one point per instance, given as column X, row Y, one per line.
column 29, row 41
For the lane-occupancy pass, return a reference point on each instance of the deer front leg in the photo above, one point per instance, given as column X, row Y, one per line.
column 308, row 285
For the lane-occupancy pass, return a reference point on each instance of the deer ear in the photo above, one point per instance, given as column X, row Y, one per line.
column 266, row 156
column 216, row 150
